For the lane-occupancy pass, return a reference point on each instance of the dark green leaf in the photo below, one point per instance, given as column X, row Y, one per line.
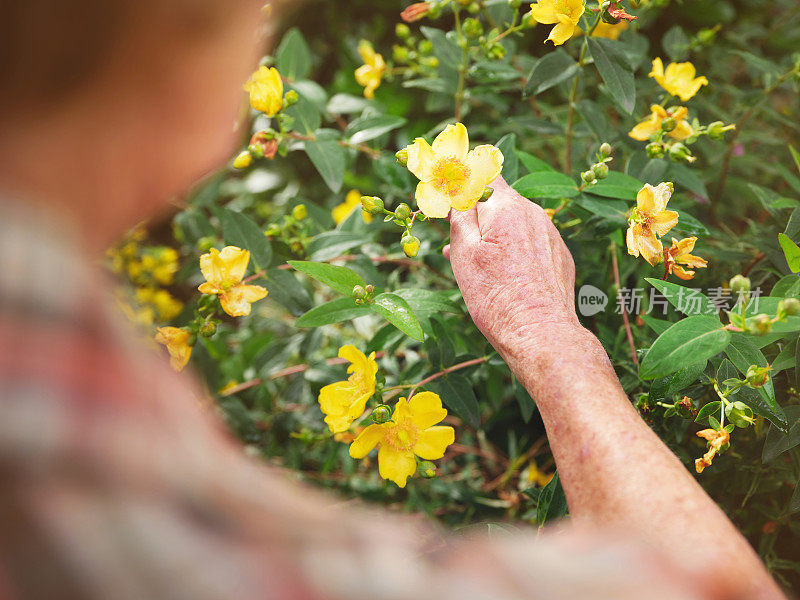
column 546, row 184
column 342, row 279
column 457, row 395
column 329, row 159
column 613, row 66
column 368, row 128
column 689, row 301
column 341, row 309
column 240, row 230
column 293, row 56
column 553, row 68
column 333, row 243
column 552, row 502
column 616, row 185
column 688, row 341
column 396, row 310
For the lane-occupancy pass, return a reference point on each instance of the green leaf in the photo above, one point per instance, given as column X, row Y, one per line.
column 533, row 164
column 688, row 341
column 552, row 69
column 657, row 325
column 333, row 243
column 457, row 395
column 396, row 310
column 743, row 353
column 284, row 289
column 616, row 211
column 293, row 56
column 507, row 146
column 708, row 410
column 240, row 230
column 665, row 387
column 341, row 309
column 444, row 49
column 527, row 406
column 546, row 184
column 791, row 251
column 689, row 301
column 778, row 442
column 329, row 159
column 552, row 504
column 368, row 128
column 422, row 300
column 613, row 66
column 616, row 185
column 342, row 279
column 306, row 115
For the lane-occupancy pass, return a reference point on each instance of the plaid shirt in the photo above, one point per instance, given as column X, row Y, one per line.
column 117, row 481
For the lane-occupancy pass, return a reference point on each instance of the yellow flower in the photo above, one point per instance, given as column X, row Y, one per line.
column 412, row 431
column 344, row 401
column 564, row 13
column 223, row 391
column 351, row 202
column 177, row 342
column 266, row 90
column 678, row 78
column 611, row 32
column 680, row 253
column 532, row 475
column 449, row 174
column 370, row 73
column 166, row 266
column 716, row 440
column 651, row 125
column 649, row 221
column 224, row 272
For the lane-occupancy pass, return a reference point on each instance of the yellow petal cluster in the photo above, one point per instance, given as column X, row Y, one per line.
column 449, row 173
column 649, row 221
column 412, row 431
column 652, row 124
column 565, row 14
column 678, row 78
column 716, row 440
column 351, row 202
column 266, row 90
column 369, row 74
column 609, row 31
column 344, row 401
column 224, row 272
column 177, row 342
column 681, row 254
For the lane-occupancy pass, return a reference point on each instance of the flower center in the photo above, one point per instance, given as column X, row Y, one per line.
column 402, row 435
column 450, row 175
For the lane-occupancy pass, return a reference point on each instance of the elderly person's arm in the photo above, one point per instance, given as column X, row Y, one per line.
column 517, row 278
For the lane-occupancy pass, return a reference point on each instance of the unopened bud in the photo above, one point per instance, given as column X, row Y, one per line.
column 381, row 414
column 606, row 149
column 760, row 325
column 402, row 31
column 402, row 157
column 600, row 170
column 400, row 54
column 359, row 293
column 372, row 204
column 654, row 150
column 425, row 47
column 789, row 306
column 426, row 469
column 300, row 212
column 588, row 176
column 472, row 27
column 369, row 289
column 410, row 245
column 487, row 193
column 739, row 414
column 496, row 51
column 208, row 329
column 403, row 211
column 669, row 124
column 740, row 284
column 757, row 376
column 290, row 98
column 243, row 160
column 679, row 152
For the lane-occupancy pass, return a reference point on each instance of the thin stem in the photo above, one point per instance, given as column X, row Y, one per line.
column 462, row 69
column 625, row 321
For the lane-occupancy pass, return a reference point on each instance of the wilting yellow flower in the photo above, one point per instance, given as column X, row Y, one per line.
column 611, row 32
column 716, row 440
column 680, row 253
column 565, row 14
column 370, row 73
column 652, row 124
column 450, row 175
column 224, row 272
column 265, row 87
column 177, row 342
column 351, row 202
column 227, row 387
column 531, row 475
column 678, row 78
column 649, row 221
column 412, row 431
column 344, row 401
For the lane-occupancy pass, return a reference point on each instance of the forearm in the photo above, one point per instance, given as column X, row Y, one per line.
column 616, row 472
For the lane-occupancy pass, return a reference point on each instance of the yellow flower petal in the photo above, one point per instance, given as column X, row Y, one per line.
column 657, row 72
column 395, row 465
column 663, row 222
column 210, row 288
column 433, row 442
column 212, row 267
column 432, row 203
column 426, row 409
column 544, row 12
column 646, row 200
column 253, row 293
column 421, row 160
column 563, row 30
column 469, row 194
column 644, row 130
column 366, row 441
column 335, row 398
column 453, row 141
column 485, row 163
column 176, row 341
column 235, row 261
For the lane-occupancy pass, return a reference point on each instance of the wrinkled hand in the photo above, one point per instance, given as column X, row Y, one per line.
column 515, row 273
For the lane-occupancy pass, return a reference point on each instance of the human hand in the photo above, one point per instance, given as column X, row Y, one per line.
column 515, row 273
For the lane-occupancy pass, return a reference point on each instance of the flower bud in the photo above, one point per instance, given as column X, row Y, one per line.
column 487, row 193
column 208, row 329
column 669, row 124
column 402, row 31
column 205, row 243
column 290, row 98
column 369, row 289
column 402, row 157
column 417, row 11
column 243, row 160
column 426, row 469
column 654, row 150
column 757, row 376
column 789, row 307
column 679, row 152
column 606, row 149
column 740, row 284
column 403, row 211
column 496, row 51
column 372, row 204
column 425, row 47
column 606, row 15
column 400, row 54
column 410, row 245
column 600, row 170
column 760, row 325
column 300, row 212
column 381, row 414
column 272, row 230
column 359, row 293
column 589, row 176
column 472, row 27
column 739, row 414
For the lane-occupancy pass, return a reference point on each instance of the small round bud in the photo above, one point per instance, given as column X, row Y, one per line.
column 487, row 193
column 430, row 61
column 496, row 51
column 402, row 31
column 588, row 176
column 426, row 469
column 402, row 157
column 669, row 124
column 256, row 150
column 381, row 414
column 369, row 289
column 359, row 293
column 600, row 170
column 760, row 325
column 716, row 130
column 300, row 212
column 679, row 152
column 472, row 27
column 435, row 11
column 400, row 54
column 272, row 230
column 606, row 149
column 740, row 284
column 372, row 204
column 528, row 21
column 425, row 47
column 474, row 8
column 243, row 160
column 789, row 306
column 403, row 211
column 654, row 150
column 205, row 243
column 290, row 98
column 208, row 329
column 757, row 376
column 410, row 245
column 739, row 414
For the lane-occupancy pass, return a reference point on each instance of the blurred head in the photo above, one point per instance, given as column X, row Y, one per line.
column 110, row 108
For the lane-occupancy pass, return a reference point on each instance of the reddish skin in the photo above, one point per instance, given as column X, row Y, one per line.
column 517, row 278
